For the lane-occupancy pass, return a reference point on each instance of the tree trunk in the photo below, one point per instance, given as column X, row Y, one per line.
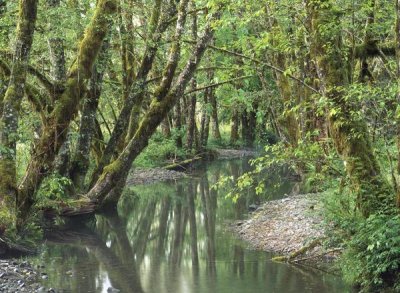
column 234, row 127
column 214, row 121
column 54, row 133
column 158, row 110
column 178, row 125
column 80, row 161
column 398, row 90
column 191, row 120
column 11, row 105
column 205, row 121
column 350, row 136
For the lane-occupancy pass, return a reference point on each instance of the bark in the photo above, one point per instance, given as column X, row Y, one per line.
column 178, row 124
column 205, row 121
column 350, row 137
column 398, row 89
column 191, row 117
column 166, row 129
column 137, row 89
column 234, row 127
column 214, row 118
column 65, row 109
column 87, row 129
column 11, row 104
column 158, row 110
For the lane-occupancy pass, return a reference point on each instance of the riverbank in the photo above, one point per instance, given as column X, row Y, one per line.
column 16, row 275
column 151, row 175
column 21, row 276
column 286, row 227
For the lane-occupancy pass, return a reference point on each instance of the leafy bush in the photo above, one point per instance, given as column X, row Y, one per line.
column 54, row 187
column 373, row 255
column 158, row 151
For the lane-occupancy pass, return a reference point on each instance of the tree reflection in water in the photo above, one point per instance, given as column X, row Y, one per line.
column 171, row 237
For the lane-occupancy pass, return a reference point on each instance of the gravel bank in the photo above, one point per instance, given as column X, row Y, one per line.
column 20, row 276
column 148, row 176
column 284, row 226
column 234, row 154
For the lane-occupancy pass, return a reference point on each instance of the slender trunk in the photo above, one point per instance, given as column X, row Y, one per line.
column 205, row 121
column 191, row 117
column 166, row 129
column 178, row 125
column 234, row 127
column 215, row 121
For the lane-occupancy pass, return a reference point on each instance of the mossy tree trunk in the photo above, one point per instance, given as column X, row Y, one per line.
column 132, row 103
column 190, row 133
column 163, row 102
column 66, row 107
column 81, row 157
column 160, row 92
column 12, row 102
column 398, row 90
column 350, row 136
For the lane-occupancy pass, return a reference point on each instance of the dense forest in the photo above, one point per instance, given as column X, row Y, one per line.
column 90, row 88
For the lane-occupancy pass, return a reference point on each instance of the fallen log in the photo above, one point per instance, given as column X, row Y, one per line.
column 301, row 251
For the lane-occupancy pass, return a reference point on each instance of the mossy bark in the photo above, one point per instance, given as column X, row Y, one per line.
column 132, row 103
column 191, row 112
column 398, row 90
column 351, row 137
column 12, row 102
column 87, row 128
column 158, row 110
column 160, row 92
column 65, row 109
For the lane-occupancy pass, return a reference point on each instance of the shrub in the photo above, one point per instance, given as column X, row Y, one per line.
column 373, row 255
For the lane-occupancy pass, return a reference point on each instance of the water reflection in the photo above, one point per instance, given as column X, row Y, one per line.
column 170, row 237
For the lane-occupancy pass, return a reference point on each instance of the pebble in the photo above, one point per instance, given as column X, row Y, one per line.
column 20, row 276
column 283, row 226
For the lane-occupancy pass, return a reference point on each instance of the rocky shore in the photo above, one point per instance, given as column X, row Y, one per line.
column 287, row 226
column 21, row 276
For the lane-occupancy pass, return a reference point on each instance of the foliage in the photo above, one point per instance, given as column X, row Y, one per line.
column 373, row 255
column 54, row 187
column 158, row 151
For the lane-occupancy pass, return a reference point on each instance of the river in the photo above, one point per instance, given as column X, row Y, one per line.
column 172, row 237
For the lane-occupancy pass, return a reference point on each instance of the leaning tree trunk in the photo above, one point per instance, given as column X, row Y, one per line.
column 11, row 104
column 160, row 93
column 350, row 136
column 158, row 110
column 54, row 133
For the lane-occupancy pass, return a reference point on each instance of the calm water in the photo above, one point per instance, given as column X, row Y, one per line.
column 171, row 237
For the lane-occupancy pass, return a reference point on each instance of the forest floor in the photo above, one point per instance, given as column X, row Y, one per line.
column 287, row 226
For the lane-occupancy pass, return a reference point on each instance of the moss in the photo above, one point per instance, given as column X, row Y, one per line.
column 111, row 169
